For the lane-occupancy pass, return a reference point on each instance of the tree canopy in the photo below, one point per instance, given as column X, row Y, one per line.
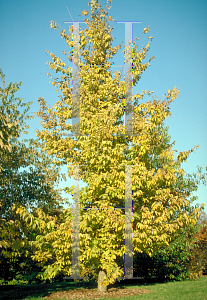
column 161, row 189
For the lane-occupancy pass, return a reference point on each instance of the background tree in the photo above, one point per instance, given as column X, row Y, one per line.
column 198, row 262
column 159, row 200
column 27, row 178
column 7, row 129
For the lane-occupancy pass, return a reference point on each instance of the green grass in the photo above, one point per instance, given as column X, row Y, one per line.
column 184, row 290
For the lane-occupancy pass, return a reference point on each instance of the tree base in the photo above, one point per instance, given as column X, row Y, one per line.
column 101, row 287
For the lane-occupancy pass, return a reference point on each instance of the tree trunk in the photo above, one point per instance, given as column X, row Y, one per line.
column 101, row 287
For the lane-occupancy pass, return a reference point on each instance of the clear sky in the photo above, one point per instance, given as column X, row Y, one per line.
column 179, row 46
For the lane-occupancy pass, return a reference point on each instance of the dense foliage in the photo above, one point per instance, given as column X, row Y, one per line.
column 185, row 257
column 39, row 243
column 198, row 263
column 27, row 179
column 160, row 189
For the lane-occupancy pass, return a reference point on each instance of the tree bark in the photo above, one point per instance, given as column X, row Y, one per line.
column 101, row 287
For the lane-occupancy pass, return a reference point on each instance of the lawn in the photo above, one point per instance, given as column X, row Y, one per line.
column 185, row 290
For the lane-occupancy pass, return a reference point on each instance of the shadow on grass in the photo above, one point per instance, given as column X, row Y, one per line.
column 17, row 292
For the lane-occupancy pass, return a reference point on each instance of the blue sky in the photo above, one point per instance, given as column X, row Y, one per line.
column 179, row 46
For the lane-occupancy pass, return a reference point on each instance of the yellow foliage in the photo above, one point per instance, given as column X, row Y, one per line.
column 101, row 153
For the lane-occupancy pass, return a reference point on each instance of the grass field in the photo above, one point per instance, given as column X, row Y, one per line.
column 184, row 290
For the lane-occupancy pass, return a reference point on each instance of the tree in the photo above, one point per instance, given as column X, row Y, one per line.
column 27, row 179
column 198, row 262
column 159, row 200
column 7, row 129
